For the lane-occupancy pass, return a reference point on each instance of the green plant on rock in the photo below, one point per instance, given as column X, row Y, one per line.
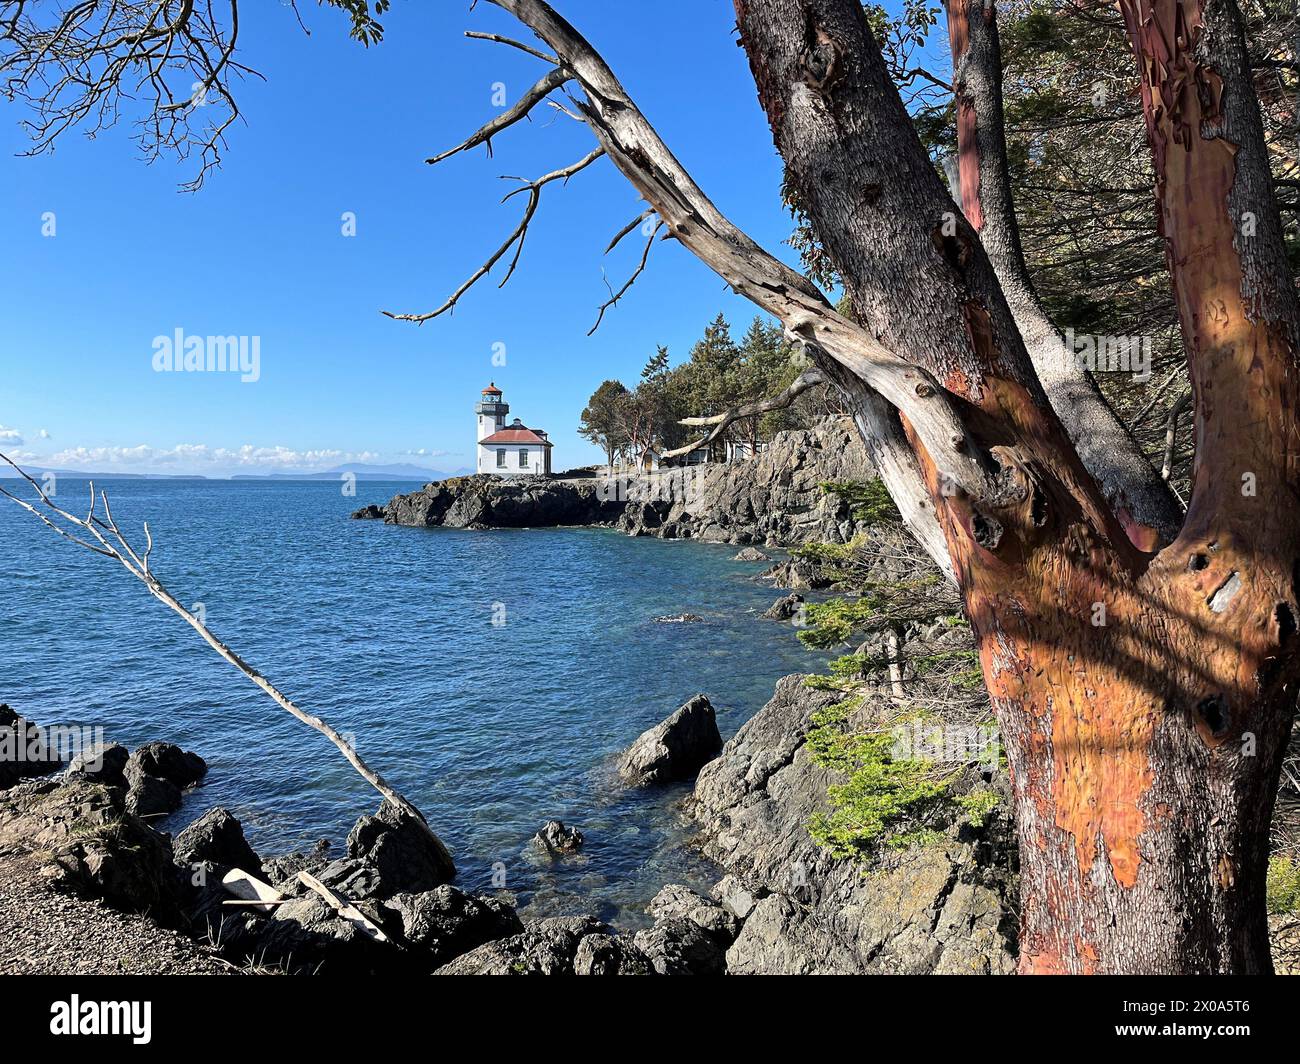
column 879, row 792
column 884, row 799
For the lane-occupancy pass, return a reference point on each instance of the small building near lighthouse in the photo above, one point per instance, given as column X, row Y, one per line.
column 512, row 450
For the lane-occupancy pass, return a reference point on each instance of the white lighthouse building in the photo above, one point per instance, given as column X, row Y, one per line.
column 512, row 450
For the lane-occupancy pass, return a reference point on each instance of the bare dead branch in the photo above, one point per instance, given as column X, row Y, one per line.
column 548, row 82
column 612, row 301
column 618, row 237
column 516, row 238
column 109, row 541
column 496, row 37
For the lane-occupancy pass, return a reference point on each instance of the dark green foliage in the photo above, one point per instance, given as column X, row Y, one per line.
column 869, row 502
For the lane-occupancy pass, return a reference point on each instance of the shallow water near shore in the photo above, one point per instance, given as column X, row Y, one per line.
column 389, row 633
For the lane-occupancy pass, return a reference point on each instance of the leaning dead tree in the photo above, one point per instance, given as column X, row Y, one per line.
column 98, row 531
column 1142, row 663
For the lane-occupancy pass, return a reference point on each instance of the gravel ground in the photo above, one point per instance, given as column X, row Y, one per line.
column 47, row 932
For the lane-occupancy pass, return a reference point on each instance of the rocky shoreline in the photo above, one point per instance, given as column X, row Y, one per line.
column 775, row 499
column 74, row 834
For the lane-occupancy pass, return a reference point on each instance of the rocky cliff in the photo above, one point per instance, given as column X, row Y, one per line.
column 775, row 498
column 942, row 907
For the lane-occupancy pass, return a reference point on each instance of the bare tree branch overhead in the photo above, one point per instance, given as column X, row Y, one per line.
column 515, row 240
column 174, row 59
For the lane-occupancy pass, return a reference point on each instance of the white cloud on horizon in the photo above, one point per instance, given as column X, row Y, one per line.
column 12, row 437
column 200, row 458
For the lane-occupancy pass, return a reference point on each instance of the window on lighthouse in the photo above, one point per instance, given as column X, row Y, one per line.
column 501, row 459
column 523, row 459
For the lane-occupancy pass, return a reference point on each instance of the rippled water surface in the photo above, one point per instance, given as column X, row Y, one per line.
column 388, row 633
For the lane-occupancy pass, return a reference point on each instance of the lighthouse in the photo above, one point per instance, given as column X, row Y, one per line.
column 491, row 412
column 512, row 450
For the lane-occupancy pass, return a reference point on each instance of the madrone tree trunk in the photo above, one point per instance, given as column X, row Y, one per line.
column 1144, row 699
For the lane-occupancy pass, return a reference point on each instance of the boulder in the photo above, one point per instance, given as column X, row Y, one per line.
column 680, row 618
column 679, row 902
column 675, row 748
column 783, row 609
column 147, row 795
column 305, row 934
column 353, row 876
column 405, row 855
column 750, row 554
column 369, row 513
column 678, row 946
column 798, row 575
column 610, row 955
column 446, row 922
column 103, row 763
column 555, row 838
column 217, row 838
column 735, row 897
column 169, row 762
column 545, row 947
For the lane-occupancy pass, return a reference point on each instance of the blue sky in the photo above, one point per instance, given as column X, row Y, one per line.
column 259, row 250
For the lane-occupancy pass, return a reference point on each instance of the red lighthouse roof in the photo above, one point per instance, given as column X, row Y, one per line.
column 492, row 389
column 516, row 434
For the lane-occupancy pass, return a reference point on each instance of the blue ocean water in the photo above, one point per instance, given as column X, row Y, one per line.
column 388, row 633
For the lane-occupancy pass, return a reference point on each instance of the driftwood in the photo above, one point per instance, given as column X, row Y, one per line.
column 344, row 908
column 249, row 890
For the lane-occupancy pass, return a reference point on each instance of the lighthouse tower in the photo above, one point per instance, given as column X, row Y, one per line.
column 491, row 412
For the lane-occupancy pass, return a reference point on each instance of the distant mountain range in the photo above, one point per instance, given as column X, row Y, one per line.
column 362, row 471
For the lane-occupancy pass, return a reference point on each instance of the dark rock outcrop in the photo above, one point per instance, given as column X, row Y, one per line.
column 486, row 501
column 169, row 762
column 86, row 835
column 555, row 838
column 369, row 513
column 306, row 935
column 783, row 609
column 945, row 906
column 216, row 838
column 675, row 748
column 149, row 796
column 446, row 922
column 545, row 947
column 104, row 763
column 678, row 946
column 610, row 955
column 405, row 857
